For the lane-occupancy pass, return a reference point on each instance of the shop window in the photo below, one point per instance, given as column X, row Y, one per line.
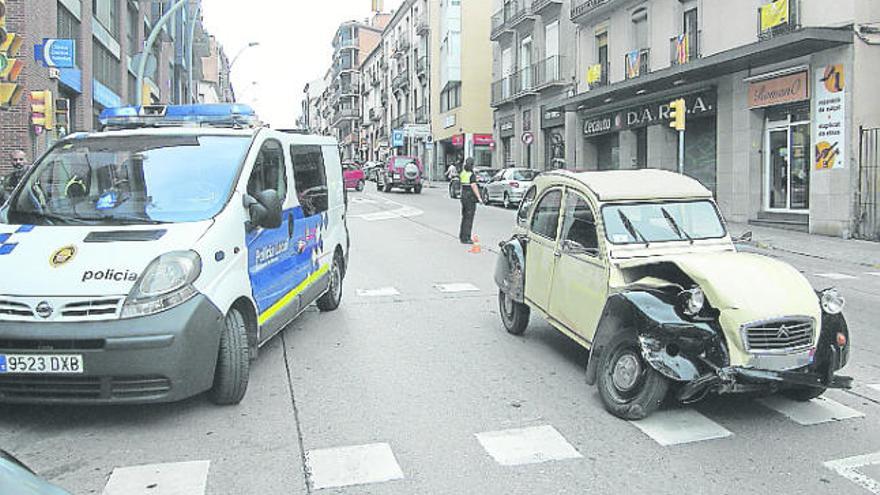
column 508, row 152
column 787, row 151
column 608, row 151
column 545, row 221
column 579, row 223
column 269, row 170
column 310, row 178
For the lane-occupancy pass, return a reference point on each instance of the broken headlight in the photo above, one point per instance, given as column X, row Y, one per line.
column 692, row 301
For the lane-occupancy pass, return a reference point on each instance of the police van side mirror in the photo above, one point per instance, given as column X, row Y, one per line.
column 265, row 208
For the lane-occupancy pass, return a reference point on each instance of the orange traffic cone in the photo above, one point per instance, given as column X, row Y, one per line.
column 476, row 248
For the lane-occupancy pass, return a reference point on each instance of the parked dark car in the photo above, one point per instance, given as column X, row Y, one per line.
column 402, row 172
column 483, row 174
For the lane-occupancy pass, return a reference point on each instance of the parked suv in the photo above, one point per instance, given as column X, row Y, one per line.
column 638, row 267
column 402, row 172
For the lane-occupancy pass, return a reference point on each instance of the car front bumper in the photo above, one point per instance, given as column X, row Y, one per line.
column 164, row 357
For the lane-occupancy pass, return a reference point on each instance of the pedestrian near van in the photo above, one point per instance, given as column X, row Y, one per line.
column 470, row 196
column 18, row 170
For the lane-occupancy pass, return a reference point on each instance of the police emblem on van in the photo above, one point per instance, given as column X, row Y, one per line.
column 62, row 256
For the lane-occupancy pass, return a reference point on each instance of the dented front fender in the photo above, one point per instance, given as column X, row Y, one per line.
column 510, row 269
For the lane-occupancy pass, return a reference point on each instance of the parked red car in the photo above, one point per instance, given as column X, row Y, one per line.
column 403, row 172
column 353, row 176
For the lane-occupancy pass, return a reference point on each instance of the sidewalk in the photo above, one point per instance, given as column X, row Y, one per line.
column 865, row 253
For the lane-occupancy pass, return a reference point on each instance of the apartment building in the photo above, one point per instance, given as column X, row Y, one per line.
column 461, row 53
column 107, row 34
column 776, row 109
column 211, row 70
column 375, row 122
column 535, row 70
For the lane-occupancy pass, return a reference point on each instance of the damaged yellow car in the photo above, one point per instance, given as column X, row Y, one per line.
column 638, row 267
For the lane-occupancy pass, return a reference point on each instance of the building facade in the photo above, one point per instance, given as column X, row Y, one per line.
column 776, row 110
column 535, row 71
column 212, row 70
column 107, row 34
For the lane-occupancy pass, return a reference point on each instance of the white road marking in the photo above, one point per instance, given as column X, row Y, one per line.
column 875, row 387
column 356, row 465
column 527, row 445
column 849, row 469
column 178, row 478
column 457, row 287
column 874, row 274
column 403, row 212
column 836, row 276
column 814, row 412
column 380, row 292
column 359, row 199
column 678, row 426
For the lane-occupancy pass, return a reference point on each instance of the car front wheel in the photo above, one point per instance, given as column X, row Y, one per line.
column 630, row 389
column 360, row 186
column 514, row 315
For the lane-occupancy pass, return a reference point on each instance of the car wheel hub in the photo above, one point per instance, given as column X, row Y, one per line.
column 626, row 372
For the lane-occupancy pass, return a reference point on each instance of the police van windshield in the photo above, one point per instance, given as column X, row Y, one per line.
column 131, row 180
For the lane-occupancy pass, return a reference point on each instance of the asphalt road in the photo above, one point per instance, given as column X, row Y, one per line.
column 414, row 387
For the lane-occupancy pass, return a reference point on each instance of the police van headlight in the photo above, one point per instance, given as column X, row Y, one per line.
column 166, row 283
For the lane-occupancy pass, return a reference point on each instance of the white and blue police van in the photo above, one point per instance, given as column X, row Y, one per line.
column 149, row 262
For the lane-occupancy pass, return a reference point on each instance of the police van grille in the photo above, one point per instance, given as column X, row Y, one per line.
column 85, row 309
column 17, row 309
column 780, row 335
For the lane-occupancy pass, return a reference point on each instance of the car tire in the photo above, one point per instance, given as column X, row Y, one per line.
column 514, row 315
column 803, row 394
column 333, row 297
column 233, row 361
column 630, row 389
column 360, row 186
column 507, row 203
column 418, row 189
column 387, row 186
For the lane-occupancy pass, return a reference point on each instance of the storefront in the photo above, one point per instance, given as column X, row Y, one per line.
column 483, row 148
column 553, row 129
column 506, row 132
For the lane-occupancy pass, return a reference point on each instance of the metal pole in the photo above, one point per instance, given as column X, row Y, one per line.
column 148, row 47
column 189, row 53
column 681, row 152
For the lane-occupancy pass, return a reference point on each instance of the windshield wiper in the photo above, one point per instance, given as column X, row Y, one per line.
column 123, row 219
column 632, row 228
column 680, row 232
column 54, row 217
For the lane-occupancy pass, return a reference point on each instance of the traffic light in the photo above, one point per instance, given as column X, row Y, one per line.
column 62, row 116
column 678, row 114
column 42, row 109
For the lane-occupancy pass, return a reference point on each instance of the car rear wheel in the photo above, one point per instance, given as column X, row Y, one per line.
column 333, row 297
column 387, row 185
column 360, row 186
column 803, row 394
column 514, row 315
column 507, row 202
column 233, row 362
column 418, row 189
column 630, row 389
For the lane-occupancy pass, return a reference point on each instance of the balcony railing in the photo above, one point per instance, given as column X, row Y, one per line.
column 778, row 18
column 549, row 72
column 637, row 63
column 423, row 28
column 422, row 66
column 684, row 48
column 513, row 12
column 349, row 43
column 375, row 114
column 346, row 113
column 401, row 45
column 422, row 115
column 523, row 81
column 580, row 8
column 400, row 121
column 502, row 90
column 540, row 5
column 400, row 81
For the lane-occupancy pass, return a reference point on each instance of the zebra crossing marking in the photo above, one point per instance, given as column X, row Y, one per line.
column 874, row 274
column 836, row 276
column 176, row 478
column 814, row 412
column 680, row 426
column 355, row 465
column 531, row 445
column 380, row 292
column 849, row 469
column 457, row 287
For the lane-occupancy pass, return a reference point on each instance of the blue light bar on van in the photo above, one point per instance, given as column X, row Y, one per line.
column 207, row 114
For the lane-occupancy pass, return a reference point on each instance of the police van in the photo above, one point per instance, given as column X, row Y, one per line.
column 150, row 261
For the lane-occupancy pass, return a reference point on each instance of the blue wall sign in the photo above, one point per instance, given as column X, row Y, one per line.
column 56, row 53
column 397, row 137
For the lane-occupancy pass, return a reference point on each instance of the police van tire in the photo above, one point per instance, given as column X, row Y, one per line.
column 514, row 315
column 630, row 388
column 233, row 362
column 333, row 297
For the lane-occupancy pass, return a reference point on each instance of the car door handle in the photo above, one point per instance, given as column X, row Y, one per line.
column 557, row 254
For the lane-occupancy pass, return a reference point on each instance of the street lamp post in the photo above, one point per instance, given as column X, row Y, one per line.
column 148, row 47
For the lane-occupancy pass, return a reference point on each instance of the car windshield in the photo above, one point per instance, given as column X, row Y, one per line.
column 403, row 162
column 485, row 174
column 131, row 180
column 662, row 222
column 524, row 175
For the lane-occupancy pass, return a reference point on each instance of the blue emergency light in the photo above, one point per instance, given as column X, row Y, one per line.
column 206, row 114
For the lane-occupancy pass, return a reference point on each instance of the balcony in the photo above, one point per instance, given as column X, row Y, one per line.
column 348, row 44
column 538, row 6
column 548, row 72
column 346, row 114
column 401, row 46
column 375, row 114
column 582, row 9
column 597, row 75
column 400, row 121
column 637, row 63
column 523, row 81
column 422, row 115
column 511, row 15
column 422, row 66
column 423, row 28
column 375, row 81
column 400, row 81
column 685, row 48
column 778, row 18
column 502, row 91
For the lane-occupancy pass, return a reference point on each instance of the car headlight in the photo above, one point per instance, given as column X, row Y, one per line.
column 166, row 283
column 832, row 301
column 692, row 301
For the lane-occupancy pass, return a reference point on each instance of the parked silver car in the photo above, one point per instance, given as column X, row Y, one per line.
column 509, row 185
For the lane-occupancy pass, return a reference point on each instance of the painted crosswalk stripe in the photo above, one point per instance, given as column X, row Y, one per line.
column 680, row 426
column 457, row 287
column 527, row 445
column 355, row 465
column 874, row 274
column 178, row 478
column 849, row 469
column 836, row 276
column 876, row 387
column 380, row 292
column 814, row 412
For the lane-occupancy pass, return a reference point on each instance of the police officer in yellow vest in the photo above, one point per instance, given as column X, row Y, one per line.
column 470, row 196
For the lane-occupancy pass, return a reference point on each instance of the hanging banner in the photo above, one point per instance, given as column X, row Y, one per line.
column 633, row 63
column 682, row 53
column 774, row 14
column 829, row 126
column 594, row 74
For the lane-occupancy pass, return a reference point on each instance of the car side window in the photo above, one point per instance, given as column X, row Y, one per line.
column 545, row 220
column 269, row 170
column 579, row 223
column 522, row 216
column 310, row 178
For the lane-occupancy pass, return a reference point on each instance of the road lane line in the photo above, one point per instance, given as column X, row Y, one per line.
column 680, row 426
column 874, row 274
column 814, row 412
column 457, row 287
column 177, row 478
column 380, row 292
column 836, row 276
column 527, row 445
column 355, row 465
column 849, row 469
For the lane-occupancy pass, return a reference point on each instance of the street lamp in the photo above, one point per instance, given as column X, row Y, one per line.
column 235, row 58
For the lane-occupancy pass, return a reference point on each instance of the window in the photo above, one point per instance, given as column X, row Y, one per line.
column 579, row 223
column 310, row 178
column 105, row 67
column 69, row 28
column 602, row 55
column 106, row 13
column 526, row 205
column 640, row 28
column 450, row 98
column 546, row 218
column 269, row 170
column 551, row 39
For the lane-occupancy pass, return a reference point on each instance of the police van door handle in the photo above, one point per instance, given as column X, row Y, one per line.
column 290, row 228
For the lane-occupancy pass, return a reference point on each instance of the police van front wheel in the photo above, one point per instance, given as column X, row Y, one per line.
column 331, row 299
column 233, row 362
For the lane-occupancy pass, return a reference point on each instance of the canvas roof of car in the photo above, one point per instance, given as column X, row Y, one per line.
column 645, row 184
